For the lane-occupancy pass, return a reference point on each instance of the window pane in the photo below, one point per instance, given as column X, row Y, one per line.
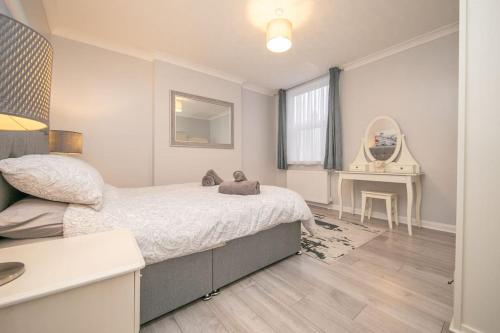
column 307, row 111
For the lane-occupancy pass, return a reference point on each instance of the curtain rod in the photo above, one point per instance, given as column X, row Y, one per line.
column 310, row 80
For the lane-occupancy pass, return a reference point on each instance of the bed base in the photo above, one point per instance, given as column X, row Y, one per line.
column 172, row 283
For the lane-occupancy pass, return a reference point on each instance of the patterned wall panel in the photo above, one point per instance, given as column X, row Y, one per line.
column 25, row 71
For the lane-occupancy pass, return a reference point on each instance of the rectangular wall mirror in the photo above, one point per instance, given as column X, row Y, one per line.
column 201, row 122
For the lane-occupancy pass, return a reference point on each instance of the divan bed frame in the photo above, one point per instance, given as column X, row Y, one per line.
column 172, row 283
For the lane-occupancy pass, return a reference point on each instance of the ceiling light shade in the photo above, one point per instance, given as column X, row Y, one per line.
column 65, row 142
column 25, row 74
column 279, row 35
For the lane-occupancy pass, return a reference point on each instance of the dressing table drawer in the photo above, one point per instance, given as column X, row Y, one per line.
column 400, row 168
column 358, row 167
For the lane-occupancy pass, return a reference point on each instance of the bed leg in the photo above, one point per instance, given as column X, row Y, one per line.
column 298, row 253
column 207, row 297
column 215, row 292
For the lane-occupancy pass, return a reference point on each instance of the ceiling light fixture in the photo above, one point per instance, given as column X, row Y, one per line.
column 279, row 34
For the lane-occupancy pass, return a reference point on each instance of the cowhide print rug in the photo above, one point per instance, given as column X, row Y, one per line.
column 334, row 238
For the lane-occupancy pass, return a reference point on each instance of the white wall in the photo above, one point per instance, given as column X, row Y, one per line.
column 34, row 15
column 183, row 164
column 259, row 138
column 108, row 97
column 419, row 89
column 3, row 8
column 477, row 290
column 29, row 12
column 122, row 106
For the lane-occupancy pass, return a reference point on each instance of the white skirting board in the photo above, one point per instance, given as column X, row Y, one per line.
column 402, row 219
column 464, row 329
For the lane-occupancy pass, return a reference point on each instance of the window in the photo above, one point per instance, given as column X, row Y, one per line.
column 306, row 117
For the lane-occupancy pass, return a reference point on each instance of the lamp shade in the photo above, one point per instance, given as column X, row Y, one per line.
column 279, row 35
column 25, row 75
column 65, row 142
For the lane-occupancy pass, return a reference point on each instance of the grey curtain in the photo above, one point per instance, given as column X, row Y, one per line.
column 333, row 151
column 282, row 163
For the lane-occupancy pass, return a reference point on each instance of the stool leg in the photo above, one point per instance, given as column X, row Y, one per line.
column 388, row 207
column 396, row 214
column 370, row 202
column 363, row 206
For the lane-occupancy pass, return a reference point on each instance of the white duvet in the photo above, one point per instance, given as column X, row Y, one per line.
column 177, row 220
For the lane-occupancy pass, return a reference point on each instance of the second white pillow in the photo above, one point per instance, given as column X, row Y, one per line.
column 55, row 177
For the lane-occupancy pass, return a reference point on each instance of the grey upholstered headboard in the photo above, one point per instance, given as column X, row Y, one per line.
column 15, row 144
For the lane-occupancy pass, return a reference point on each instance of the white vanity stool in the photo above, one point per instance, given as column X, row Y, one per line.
column 391, row 204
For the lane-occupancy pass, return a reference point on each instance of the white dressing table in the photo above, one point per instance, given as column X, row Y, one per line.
column 410, row 180
column 384, row 157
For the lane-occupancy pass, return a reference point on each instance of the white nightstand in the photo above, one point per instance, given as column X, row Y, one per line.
column 81, row 284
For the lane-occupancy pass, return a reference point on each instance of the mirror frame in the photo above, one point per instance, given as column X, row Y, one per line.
column 173, row 140
column 367, row 142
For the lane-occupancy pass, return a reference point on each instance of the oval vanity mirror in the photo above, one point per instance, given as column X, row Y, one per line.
column 382, row 139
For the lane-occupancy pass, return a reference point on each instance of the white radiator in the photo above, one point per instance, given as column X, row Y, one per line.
column 312, row 185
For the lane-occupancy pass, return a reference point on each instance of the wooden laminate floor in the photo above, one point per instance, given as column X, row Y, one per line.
column 394, row 283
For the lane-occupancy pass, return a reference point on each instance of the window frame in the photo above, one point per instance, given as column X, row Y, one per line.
column 321, row 82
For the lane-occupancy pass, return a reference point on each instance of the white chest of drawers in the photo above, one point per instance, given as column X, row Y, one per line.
column 80, row 284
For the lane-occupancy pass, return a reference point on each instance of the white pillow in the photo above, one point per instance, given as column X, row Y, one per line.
column 55, row 177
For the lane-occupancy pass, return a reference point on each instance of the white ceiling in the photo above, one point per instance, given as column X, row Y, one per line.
column 228, row 36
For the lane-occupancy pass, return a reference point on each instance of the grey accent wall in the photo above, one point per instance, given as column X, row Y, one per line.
column 418, row 88
column 259, row 139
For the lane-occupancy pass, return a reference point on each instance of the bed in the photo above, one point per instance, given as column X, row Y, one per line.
column 234, row 237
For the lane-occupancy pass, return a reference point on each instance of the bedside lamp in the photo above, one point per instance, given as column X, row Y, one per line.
column 65, row 142
column 25, row 74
